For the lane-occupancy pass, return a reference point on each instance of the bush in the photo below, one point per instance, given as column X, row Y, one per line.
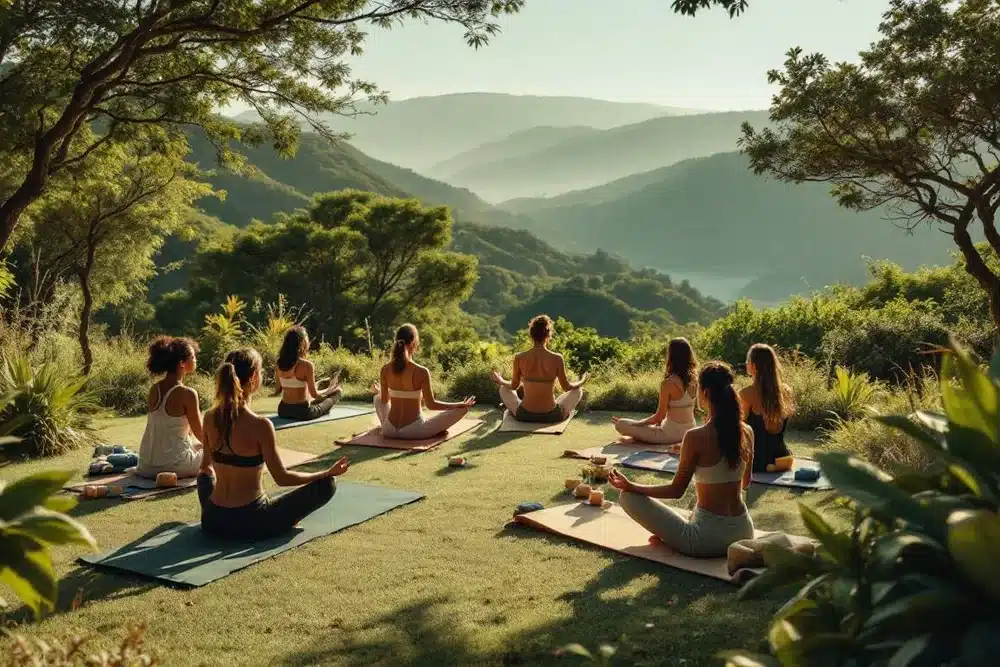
column 52, row 411
column 853, row 393
column 267, row 338
column 814, row 400
column 131, row 652
column 204, row 384
column 119, row 380
column 32, row 521
column 473, row 379
column 357, row 371
column 621, row 391
column 912, row 580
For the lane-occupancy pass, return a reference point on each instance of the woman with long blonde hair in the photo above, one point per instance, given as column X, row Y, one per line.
column 674, row 415
column 767, row 403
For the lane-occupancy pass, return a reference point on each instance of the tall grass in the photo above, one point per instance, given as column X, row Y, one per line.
column 119, row 380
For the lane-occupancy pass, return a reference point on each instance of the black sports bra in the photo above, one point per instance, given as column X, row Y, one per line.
column 238, row 461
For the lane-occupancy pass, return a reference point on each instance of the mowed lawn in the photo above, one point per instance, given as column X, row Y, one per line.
column 445, row 581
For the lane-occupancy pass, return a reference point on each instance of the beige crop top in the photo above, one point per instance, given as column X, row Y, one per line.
column 720, row 473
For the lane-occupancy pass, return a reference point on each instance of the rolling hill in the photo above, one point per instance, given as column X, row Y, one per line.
column 596, row 158
column 423, row 131
column 712, row 215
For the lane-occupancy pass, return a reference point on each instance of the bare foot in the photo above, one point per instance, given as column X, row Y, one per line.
column 655, row 541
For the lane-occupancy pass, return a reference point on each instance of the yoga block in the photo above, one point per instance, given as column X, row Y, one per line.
column 103, row 450
column 119, row 449
column 807, row 474
column 123, row 460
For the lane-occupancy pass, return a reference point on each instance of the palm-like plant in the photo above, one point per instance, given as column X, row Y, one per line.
column 852, row 393
column 913, row 581
column 49, row 411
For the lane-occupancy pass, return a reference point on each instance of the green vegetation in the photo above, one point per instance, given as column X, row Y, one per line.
column 912, row 579
column 941, row 162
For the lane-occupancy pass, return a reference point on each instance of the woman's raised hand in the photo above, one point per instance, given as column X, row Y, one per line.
column 496, row 377
column 375, row 389
column 468, row 402
column 339, row 468
column 620, row 481
column 615, row 420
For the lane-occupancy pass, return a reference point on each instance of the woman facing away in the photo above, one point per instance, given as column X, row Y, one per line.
column 674, row 415
column 537, row 370
column 767, row 403
column 295, row 380
column 718, row 455
column 403, row 383
column 238, row 444
column 173, row 436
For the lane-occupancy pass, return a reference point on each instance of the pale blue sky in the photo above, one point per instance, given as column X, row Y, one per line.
column 629, row 50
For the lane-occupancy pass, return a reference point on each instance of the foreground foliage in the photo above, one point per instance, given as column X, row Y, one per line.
column 131, row 652
column 912, row 581
column 32, row 521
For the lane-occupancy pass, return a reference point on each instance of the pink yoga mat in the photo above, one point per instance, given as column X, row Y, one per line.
column 374, row 438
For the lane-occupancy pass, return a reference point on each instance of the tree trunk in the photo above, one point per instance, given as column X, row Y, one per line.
column 85, row 313
column 976, row 266
column 15, row 205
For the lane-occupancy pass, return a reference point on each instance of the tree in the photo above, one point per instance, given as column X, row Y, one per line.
column 692, row 7
column 914, row 127
column 103, row 222
column 66, row 65
column 352, row 256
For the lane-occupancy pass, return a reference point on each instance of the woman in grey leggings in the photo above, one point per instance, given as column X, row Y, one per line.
column 403, row 384
column 295, row 381
column 718, row 456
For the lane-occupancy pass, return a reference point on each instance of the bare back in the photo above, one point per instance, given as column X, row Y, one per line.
column 295, row 382
column 414, row 380
column 700, row 449
column 236, row 486
column 538, row 370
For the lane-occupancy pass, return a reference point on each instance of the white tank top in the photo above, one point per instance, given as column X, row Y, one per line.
column 166, row 439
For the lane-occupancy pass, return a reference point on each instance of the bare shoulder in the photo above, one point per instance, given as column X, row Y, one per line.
column 305, row 363
column 746, row 392
column 698, row 435
column 191, row 394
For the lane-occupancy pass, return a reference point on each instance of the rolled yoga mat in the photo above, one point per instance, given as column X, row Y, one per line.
column 511, row 425
column 658, row 462
column 185, row 556
column 338, row 412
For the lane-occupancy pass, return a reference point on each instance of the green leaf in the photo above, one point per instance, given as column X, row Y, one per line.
column 974, row 543
column 873, row 488
column 906, row 550
column 974, row 401
column 929, row 439
column 53, row 528
column 771, row 580
column 747, row 659
column 995, row 365
column 61, row 503
column 577, row 649
column 607, row 651
column 925, row 612
column 838, row 545
column 974, row 448
column 27, row 570
column 910, row 652
column 29, row 492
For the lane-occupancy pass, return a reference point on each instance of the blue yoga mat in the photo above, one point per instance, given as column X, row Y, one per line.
column 338, row 412
column 659, row 462
column 183, row 555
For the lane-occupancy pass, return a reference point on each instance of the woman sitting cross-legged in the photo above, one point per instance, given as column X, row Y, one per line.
column 295, row 380
column 674, row 415
column 767, row 403
column 718, row 455
column 402, row 385
column 238, row 444
column 173, row 436
column 537, row 370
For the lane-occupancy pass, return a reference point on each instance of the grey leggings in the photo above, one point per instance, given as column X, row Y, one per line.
column 704, row 535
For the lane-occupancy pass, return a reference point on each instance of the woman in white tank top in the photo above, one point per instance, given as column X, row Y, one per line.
column 674, row 415
column 171, row 441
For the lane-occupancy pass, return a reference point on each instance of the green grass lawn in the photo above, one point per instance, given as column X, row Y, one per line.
column 445, row 581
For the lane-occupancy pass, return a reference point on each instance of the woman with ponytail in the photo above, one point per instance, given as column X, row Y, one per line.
column 537, row 370
column 767, row 403
column 172, row 439
column 718, row 455
column 238, row 444
column 295, row 381
column 403, row 383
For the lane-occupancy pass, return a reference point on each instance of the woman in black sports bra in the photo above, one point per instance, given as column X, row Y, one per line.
column 238, row 444
column 767, row 403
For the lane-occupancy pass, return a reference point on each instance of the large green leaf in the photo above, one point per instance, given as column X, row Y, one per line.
column 995, row 365
column 838, row 545
column 906, row 551
column 747, row 659
column 61, row 503
column 971, row 398
column 911, row 653
column 26, row 568
column 772, row 580
column 30, row 492
column 930, row 439
column 974, row 448
column 52, row 528
column 873, row 488
column 974, row 543
column 921, row 613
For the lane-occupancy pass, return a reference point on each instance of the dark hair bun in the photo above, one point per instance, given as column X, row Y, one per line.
column 166, row 353
column 540, row 328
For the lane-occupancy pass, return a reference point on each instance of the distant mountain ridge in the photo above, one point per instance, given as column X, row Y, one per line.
column 420, row 132
column 597, row 158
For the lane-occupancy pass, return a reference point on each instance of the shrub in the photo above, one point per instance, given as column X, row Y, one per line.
column 814, row 400
column 912, row 581
column 119, row 380
column 621, row 391
column 221, row 333
column 52, row 410
column 267, row 338
column 357, row 371
column 32, row 521
column 204, row 384
column 473, row 379
column 852, row 393
column 71, row 652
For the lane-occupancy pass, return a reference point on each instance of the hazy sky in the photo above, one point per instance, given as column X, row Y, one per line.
column 631, row 50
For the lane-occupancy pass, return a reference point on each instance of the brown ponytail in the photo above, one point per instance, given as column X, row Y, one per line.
column 405, row 335
column 768, row 384
column 232, row 388
column 716, row 380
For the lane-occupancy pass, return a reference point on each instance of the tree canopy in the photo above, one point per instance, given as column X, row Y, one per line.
column 914, row 127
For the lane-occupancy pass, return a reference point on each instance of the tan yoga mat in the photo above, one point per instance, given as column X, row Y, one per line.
column 511, row 425
column 374, row 438
column 617, row 451
column 137, row 488
column 611, row 528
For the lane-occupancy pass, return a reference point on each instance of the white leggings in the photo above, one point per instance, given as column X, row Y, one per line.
column 568, row 401
column 421, row 428
column 187, row 464
column 667, row 433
